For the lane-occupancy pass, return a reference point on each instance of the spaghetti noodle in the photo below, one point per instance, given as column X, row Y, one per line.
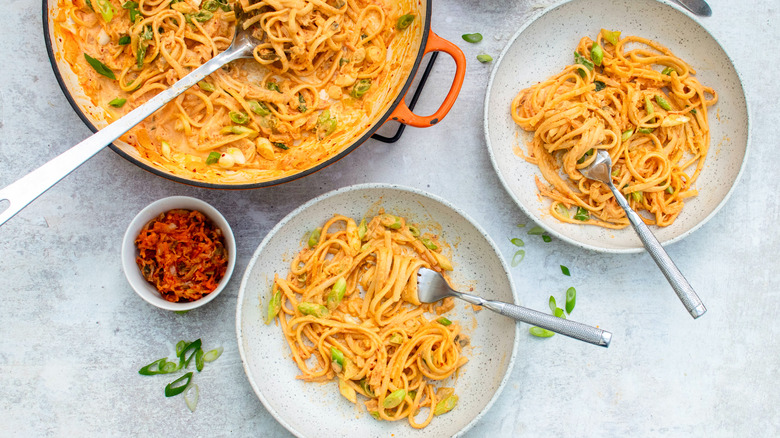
column 643, row 106
column 324, row 72
column 349, row 309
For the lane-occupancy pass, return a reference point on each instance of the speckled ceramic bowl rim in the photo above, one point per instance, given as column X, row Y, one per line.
column 128, row 250
column 529, row 213
column 354, row 188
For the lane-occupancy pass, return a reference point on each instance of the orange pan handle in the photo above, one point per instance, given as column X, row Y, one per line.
column 403, row 114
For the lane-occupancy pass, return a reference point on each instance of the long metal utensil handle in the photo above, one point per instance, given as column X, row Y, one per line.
column 22, row 192
column 680, row 285
column 572, row 329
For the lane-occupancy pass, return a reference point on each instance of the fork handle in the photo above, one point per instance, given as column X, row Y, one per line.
column 676, row 279
column 572, row 329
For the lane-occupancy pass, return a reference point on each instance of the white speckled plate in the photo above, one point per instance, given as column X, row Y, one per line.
column 544, row 46
column 318, row 410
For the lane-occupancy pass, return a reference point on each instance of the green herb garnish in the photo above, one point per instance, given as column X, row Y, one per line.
column 581, row 60
column 100, row 67
column 571, row 299
column 565, row 271
column 582, row 214
column 404, row 21
column 472, row 37
column 118, row 102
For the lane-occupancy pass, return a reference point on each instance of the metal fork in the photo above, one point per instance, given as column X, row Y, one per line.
column 22, row 192
column 601, row 170
column 432, row 287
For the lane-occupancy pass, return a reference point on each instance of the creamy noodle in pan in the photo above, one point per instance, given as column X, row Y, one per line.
column 325, row 72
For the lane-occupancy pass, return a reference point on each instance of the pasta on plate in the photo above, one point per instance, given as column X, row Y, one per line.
column 325, row 71
column 348, row 309
column 633, row 98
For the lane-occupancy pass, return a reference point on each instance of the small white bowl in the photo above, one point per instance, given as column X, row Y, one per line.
column 129, row 252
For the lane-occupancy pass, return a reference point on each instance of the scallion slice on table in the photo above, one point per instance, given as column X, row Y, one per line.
column 213, row 355
column 472, row 37
column 191, row 396
column 444, row 321
column 177, row 387
column 518, row 257
column 565, row 271
column 540, row 332
column 484, row 58
column 536, row 231
column 571, row 299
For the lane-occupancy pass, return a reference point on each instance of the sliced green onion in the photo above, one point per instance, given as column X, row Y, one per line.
column 579, row 59
column 177, row 387
column 596, row 54
column 394, row 399
column 414, row 231
column 668, row 71
column 645, row 130
column 627, row 134
column 316, row 310
column 553, row 305
column 360, row 88
column 191, row 396
column 429, row 243
column 337, row 356
column 213, row 157
column 540, row 332
column 118, row 102
column 210, row 5
column 472, row 37
column 613, row 36
column 484, row 58
column 558, row 313
column 536, row 231
column 670, row 190
column 314, row 237
column 199, row 360
column 585, row 156
column 599, row 85
column 261, row 109
column 105, row 9
column 362, row 229
column 662, row 102
column 390, row 221
column 693, row 111
column 124, row 40
column 518, row 257
column 180, row 347
column 337, row 293
column 281, row 146
column 404, row 21
column 649, row 106
column 571, row 299
column 100, row 67
column 366, row 388
column 184, row 361
column 517, row 241
column 396, row 339
column 301, row 103
column 565, row 271
column 153, row 368
column 205, row 86
column 273, row 86
column 444, row 321
column 132, row 9
column 582, row 214
column 546, row 238
column 562, row 210
column 239, row 117
column 274, row 306
column 213, row 355
column 638, row 196
column 446, row 405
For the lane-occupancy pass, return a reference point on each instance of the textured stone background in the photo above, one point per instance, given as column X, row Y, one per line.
column 73, row 334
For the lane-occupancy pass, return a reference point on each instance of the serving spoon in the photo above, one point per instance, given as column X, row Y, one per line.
column 601, row 170
column 25, row 190
column 432, row 287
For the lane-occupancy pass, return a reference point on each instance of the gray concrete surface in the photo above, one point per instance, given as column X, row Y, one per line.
column 73, row 334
